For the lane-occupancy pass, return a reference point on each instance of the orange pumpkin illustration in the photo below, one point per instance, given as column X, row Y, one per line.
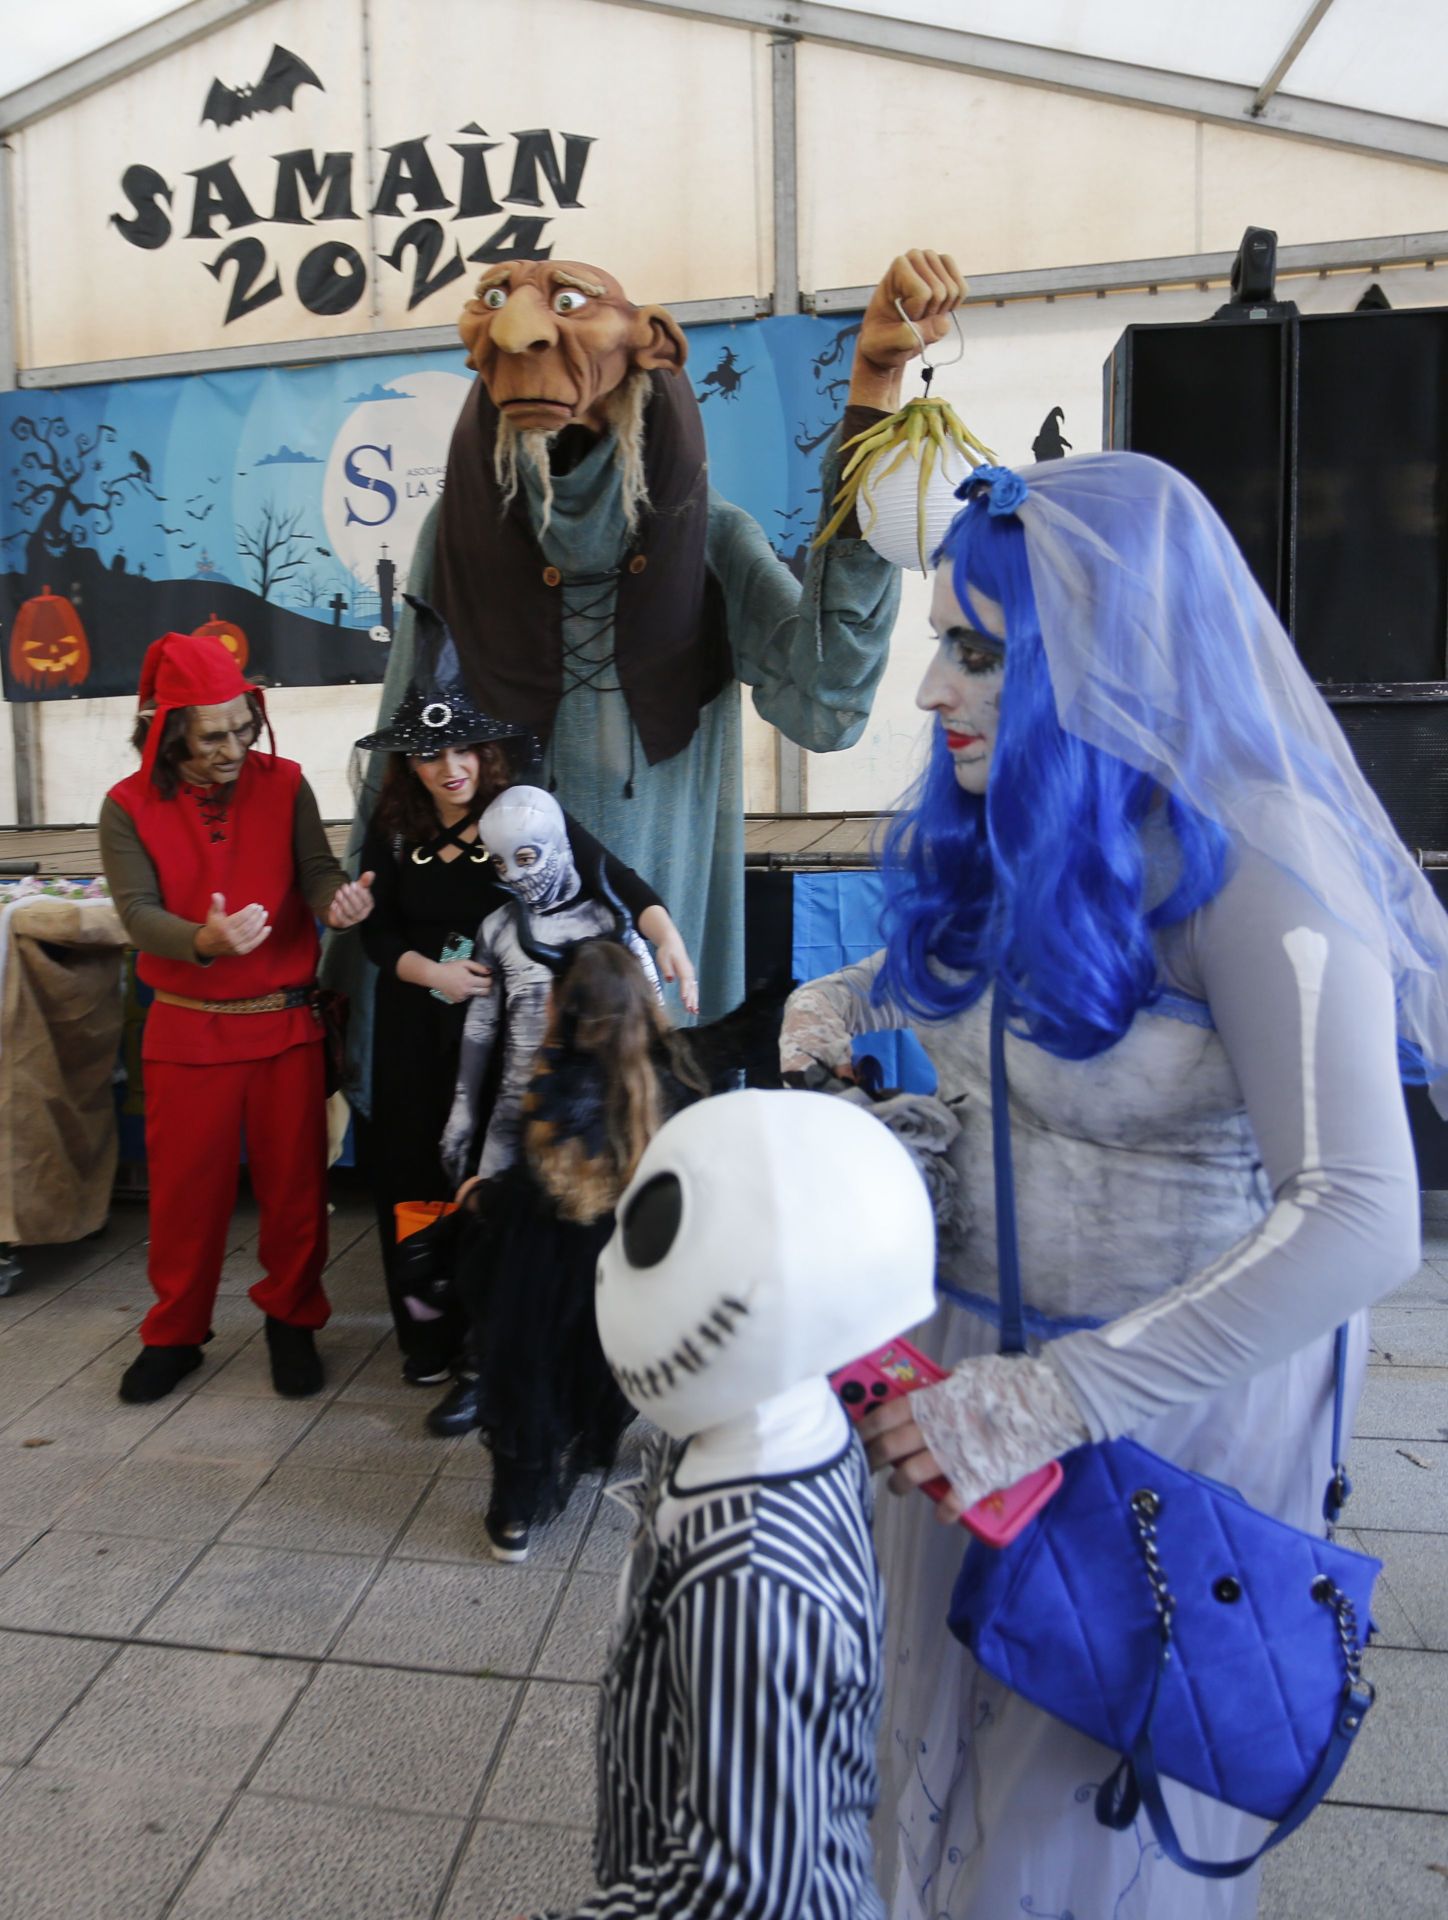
column 48, row 645
column 230, row 636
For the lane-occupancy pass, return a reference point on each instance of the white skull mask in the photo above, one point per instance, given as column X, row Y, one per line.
column 525, row 832
column 765, row 1238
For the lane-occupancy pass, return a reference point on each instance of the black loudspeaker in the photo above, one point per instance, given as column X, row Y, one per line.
column 1322, row 440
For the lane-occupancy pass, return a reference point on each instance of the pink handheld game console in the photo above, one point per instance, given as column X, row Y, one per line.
column 900, row 1368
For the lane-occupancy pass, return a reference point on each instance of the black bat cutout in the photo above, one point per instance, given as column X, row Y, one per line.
column 276, row 88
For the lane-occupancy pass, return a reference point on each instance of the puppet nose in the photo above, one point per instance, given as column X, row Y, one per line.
column 525, row 324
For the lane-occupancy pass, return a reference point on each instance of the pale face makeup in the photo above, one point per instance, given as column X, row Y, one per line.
column 218, row 740
column 962, row 685
column 451, row 779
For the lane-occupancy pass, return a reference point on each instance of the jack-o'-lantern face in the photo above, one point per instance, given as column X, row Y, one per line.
column 48, row 645
column 230, row 635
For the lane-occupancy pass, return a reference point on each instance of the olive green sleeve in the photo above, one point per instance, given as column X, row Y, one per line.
column 137, row 892
column 319, row 873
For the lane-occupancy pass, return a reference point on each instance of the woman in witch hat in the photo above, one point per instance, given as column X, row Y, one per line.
column 435, row 885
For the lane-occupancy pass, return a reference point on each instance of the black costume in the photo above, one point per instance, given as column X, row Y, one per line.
column 416, row 1036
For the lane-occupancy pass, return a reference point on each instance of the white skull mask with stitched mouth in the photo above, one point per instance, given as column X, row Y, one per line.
column 764, row 1239
column 525, row 832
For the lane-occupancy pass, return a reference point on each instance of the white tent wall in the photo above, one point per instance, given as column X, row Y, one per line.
column 678, row 198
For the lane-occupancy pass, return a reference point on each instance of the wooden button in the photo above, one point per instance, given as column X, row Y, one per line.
column 551, row 577
column 637, row 564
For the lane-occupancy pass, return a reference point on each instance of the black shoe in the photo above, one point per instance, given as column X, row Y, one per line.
column 457, row 1412
column 155, row 1371
column 296, row 1366
column 507, row 1540
column 425, row 1370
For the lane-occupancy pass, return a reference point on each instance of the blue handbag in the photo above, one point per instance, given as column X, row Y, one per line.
column 1158, row 1612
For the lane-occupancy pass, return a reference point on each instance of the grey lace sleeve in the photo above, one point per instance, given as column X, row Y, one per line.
column 821, row 1017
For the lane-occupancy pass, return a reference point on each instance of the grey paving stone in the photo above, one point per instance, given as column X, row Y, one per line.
column 14, row 1541
column 166, row 1712
column 240, row 1271
column 379, row 1382
column 85, row 1416
column 1429, row 1285
column 481, row 1620
column 36, row 1484
column 609, row 1534
column 90, row 1582
column 509, row 1869
column 1392, row 1490
column 39, row 1678
column 577, row 1643
column 327, row 1512
column 284, row 1859
column 1393, row 1626
column 415, row 1742
column 449, row 1525
column 163, row 1499
column 262, row 1600
column 247, row 1374
column 222, row 1429
column 374, row 1439
column 1410, row 1336
column 1349, row 1863
column 1404, row 1403
column 1397, row 1759
column 93, row 1847
column 547, row 1772
column 1417, row 1570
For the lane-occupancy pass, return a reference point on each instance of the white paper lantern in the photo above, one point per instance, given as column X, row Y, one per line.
column 890, row 517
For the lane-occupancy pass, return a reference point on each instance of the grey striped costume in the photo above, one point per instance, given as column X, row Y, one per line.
column 736, row 1748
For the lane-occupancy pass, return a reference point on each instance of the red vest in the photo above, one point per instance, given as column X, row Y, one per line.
column 246, row 854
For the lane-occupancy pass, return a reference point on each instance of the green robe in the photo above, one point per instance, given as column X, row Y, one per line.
column 812, row 655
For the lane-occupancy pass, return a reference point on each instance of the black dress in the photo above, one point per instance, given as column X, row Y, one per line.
column 416, row 1037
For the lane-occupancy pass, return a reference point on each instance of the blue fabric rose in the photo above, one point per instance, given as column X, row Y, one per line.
column 1003, row 488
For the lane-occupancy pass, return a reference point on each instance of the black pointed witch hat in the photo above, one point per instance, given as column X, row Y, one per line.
column 437, row 710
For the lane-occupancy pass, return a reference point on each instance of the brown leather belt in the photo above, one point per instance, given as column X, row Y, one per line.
column 279, row 1002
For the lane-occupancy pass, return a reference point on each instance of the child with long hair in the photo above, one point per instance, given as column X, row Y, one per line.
column 609, row 1071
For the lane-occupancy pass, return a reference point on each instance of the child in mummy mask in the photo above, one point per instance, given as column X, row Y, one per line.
column 765, row 1238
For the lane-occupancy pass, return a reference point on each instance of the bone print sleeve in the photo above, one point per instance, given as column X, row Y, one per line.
column 1306, row 1013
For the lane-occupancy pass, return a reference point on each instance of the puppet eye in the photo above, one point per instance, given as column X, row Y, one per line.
column 651, row 1224
column 495, row 297
column 569, row 300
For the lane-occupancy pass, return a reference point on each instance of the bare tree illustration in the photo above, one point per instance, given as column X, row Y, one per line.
column 276, row 544
column 54, row 478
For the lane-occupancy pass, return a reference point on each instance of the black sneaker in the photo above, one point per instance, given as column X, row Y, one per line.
column 456, row 1412
column 155, row 1371
column 296, row 1366
column 422, row 1370
column 507, row 1540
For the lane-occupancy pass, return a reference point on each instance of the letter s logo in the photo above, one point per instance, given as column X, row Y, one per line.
column 357, row 478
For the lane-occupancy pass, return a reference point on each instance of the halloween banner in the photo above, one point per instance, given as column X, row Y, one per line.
column 278, row 508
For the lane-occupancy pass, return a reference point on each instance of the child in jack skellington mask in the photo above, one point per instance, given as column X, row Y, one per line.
column 765, row 1239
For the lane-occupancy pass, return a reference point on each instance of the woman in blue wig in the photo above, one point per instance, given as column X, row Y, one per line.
column 1141, row 822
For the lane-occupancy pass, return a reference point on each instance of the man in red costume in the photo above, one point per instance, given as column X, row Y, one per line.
column 233, row 1039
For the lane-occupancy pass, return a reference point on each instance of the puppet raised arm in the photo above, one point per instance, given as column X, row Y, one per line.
column 480, row 1032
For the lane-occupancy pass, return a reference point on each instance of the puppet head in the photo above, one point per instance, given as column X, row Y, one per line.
column 764, row 1239
column 554, row 341
column 525, row 832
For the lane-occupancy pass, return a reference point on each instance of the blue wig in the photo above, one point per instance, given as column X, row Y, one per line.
column 1042, row 881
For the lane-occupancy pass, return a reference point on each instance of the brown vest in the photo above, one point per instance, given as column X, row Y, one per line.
column 504, row 602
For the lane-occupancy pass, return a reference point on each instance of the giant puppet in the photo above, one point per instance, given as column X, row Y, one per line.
column 604, row 597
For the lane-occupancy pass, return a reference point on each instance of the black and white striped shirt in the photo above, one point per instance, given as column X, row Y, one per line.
column 736, row 1748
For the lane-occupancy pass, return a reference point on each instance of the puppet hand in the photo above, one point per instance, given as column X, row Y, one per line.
column 231, row 933
column 457, row 1138
column 929, row 286
column 351, row 903
column 461, row 980
column 674, row 963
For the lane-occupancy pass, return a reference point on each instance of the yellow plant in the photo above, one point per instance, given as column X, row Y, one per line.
column 923, row 430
